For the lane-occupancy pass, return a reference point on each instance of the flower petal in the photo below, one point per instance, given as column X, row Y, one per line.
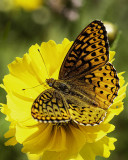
column 52, row 138
column 28, row 5
column 99, row 148
column 12, row 141
column 111, row 55
column 52, row 53
column 95, row 133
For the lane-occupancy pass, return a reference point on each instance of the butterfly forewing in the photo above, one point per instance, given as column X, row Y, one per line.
column 89, row 51
column 49, row 107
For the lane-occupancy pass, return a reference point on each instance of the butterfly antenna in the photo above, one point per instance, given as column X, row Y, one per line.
column 44, row 62
column 44, row 83
column 36, row 86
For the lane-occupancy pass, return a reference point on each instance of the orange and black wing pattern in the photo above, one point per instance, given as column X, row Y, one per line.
column 49, row 107
column 89, row 51
column 86, row 115
column 102, row 87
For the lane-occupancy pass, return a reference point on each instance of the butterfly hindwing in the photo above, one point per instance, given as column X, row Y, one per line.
column 87, row 115
column 49, row 107
column 89, row 51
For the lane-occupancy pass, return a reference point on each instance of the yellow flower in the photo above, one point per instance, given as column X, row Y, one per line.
column 28, row 4
column 49, row 141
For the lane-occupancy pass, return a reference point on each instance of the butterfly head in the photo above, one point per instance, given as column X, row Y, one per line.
column 50, row 81
column 58, row 85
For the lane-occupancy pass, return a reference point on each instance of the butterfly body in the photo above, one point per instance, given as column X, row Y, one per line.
column 87, row 82
column 71, row 93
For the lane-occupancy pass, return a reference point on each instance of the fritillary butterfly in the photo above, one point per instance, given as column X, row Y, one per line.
column 87, row 82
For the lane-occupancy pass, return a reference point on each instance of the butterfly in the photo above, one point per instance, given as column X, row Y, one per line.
column 87, row 82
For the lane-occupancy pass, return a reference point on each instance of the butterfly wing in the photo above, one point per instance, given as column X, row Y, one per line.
column 86, row 115
column 89, row 51
column 49, row 107
column 87, row 70
column 101, row 87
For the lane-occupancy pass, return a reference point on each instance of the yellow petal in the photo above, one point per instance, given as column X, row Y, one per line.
column 28, row 5
column 52, row 138
column 99, row 148
column 34, row 156
column 10, row 133
column 11, row 141
column 65, row 155
column 95, row 133
column 79, row 157
column 111, row 55
column 51, row 155
column 53, row 53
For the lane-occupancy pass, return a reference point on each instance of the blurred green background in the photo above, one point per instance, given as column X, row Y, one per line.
column 20, row 27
